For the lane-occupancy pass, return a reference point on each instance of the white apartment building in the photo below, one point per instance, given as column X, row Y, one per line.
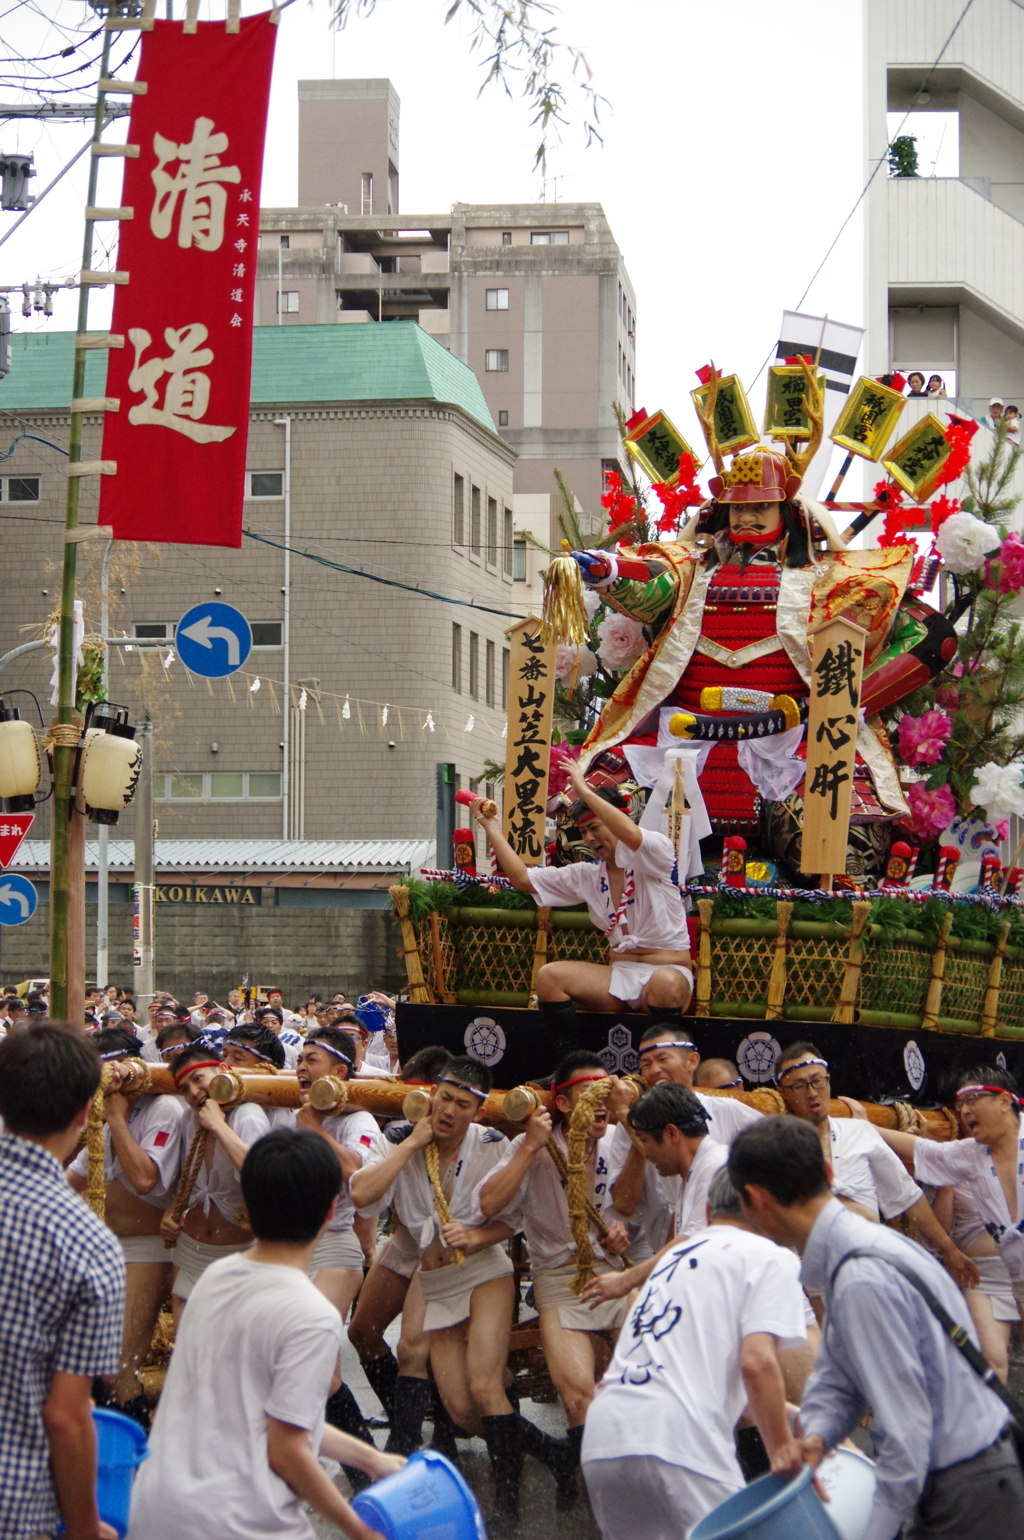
column 944, row 261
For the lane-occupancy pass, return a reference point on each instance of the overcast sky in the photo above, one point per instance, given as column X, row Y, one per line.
column 732, row 154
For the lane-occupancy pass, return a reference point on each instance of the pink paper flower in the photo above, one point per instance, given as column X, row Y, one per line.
column 557, row 778
column 621, row 641
column 930, row 811
column 947, row 696
column 1006, row 570
column 922, row 739
column 1003, row 830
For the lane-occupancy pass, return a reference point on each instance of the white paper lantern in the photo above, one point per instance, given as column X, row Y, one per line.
column 21, row 767
column 110, row 774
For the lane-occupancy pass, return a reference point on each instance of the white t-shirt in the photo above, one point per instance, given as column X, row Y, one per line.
column 356, row 1130
column 673, row 1388
column 964, row 1160
column 653, row 1214
column 256, row 1341
column 155, row 1123
column 727, row 1116
column 653, row 918
column 865, row 1169
column 483, row 1150
column 218, row 1182
column 691, row 1207
column 544, row 1208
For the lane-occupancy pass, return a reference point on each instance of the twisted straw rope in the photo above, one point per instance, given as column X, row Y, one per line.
column 96, row 1189
column 573, row 1173
column 432, row 1156
column 187, row 1180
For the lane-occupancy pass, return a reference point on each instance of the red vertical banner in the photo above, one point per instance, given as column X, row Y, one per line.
column 182, row 378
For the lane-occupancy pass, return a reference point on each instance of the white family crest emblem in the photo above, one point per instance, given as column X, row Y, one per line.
column 913, row 1063
column 619, row 1057
column 757, row 1057
column 485, row 1041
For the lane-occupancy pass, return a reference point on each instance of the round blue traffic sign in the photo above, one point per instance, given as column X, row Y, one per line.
column 18, row 899
column 213, row 640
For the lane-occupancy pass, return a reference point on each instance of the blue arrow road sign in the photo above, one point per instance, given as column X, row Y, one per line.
column 18, row 899
column 213, row 640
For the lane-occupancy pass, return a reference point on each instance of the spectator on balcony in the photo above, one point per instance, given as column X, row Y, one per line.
column 1012, row 416
column 936, row 385
column 995, row 411
column 916, row 383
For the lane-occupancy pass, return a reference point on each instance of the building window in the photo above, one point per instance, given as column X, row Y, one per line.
column 154, row 630
column 489, row 674
column 506, row 544
column 492, row 532
column 265, row 484
column 505, row 660
column 549, row 238
column 506, row 237
column 496, row 360
column 219, row 786
column 459, row 511
column 288, row 302
column 519, row 561
column 457, row 659
column 502, row 419
column 497, row 299
column 474, row 522
column 474, row 666
column 21, row 489
column 267, row 633
column 285, row 242
column 366, row 206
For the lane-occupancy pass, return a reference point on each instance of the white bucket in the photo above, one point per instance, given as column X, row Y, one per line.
column 849, row 1479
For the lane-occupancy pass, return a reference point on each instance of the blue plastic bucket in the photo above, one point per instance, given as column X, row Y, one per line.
column 428, row 1497
column 122, row 1448
column 770, row 1509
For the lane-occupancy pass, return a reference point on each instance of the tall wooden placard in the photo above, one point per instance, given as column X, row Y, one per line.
column 837, row 671
column 531, row 698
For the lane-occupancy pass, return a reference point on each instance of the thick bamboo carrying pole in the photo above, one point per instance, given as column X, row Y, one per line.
column 397, row 1098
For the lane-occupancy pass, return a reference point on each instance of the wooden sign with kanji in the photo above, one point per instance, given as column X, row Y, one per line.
column 837, row 672
column 531, row 699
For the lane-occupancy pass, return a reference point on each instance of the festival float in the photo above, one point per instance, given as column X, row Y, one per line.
column 830, row 736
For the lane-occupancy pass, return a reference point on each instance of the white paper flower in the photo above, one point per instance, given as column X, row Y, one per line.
column 963, row 542
column 574, row 662
column 999, row 789
column 621, row 641
column 591, row 602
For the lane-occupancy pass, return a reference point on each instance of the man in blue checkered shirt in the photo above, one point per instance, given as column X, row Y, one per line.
column 61, row 1291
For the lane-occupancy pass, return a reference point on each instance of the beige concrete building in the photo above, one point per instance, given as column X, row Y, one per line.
column 535, row 298
column 395, row 470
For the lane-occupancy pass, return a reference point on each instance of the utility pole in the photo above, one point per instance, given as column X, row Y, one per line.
column 144, row 894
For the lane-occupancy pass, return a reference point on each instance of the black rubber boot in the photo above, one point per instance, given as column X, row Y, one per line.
column 445, row 1430
column 560, row 1455
column 504, row 1445
column 410, row 1401
column 559, row 1018
column 137, row 1408
column 382, row 1373
column 668, row 1017
column 342, row 1411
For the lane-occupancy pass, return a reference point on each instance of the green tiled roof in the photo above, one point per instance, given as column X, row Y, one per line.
column 395, row 361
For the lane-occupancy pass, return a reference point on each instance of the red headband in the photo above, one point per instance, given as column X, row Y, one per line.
column 989, row 1090
column 200, row 1064
column 578, row 1079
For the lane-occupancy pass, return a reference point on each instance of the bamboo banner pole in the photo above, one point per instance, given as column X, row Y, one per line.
column 933, row 1000
column 854, row 962
column 64, row 735
column 990, row 1008
column 703, row 980
column 777, row 978
column 540, row 946
column 419, row 994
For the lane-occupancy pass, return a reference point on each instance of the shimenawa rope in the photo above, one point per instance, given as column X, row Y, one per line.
column 96, row 1190
column 432, row 1157
column 574, row 1174
column 189, row 1174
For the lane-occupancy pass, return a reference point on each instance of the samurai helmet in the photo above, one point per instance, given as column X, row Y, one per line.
column 760, row 476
